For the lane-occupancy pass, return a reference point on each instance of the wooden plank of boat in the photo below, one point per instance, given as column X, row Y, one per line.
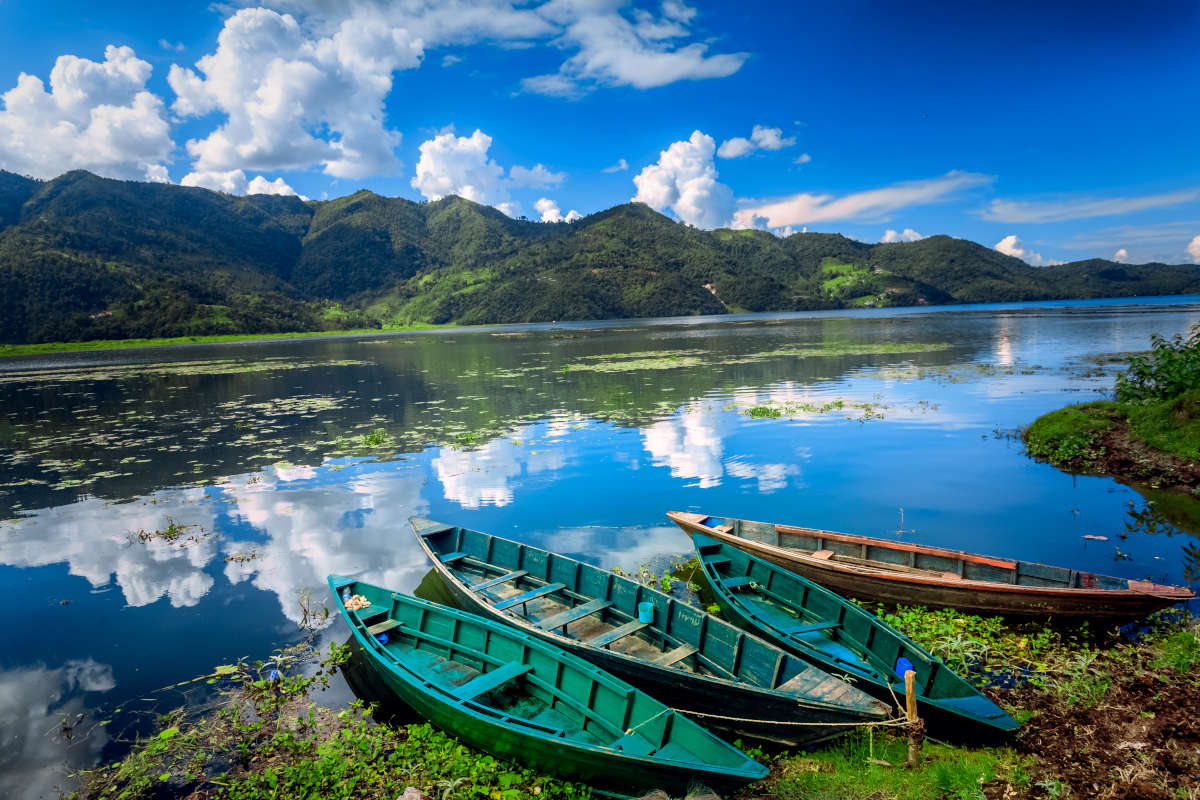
column 837, row 635
column 687, row 658
column 515, row 696
column 904, row 573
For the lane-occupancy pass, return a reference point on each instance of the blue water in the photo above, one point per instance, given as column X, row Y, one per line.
column 287, row 461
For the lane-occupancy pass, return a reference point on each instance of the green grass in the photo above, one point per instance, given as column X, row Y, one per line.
column 841, row 771
column 1071, row 436
column 1172, row 426
column 10, row 350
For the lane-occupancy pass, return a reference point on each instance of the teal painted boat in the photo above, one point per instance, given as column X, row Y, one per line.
column 693, row 661
column 837, row 635
column 510, row 694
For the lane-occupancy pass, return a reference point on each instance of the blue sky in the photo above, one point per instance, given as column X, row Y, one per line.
column 1050, row 132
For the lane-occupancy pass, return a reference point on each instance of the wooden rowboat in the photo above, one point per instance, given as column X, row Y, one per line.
column 510, row 694
column 842, row 637
column 900, row 572
column 696, row 663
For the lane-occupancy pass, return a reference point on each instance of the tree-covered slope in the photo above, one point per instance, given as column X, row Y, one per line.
column 84, row 257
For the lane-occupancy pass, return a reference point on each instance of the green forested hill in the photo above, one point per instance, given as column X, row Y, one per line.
column 83, row 257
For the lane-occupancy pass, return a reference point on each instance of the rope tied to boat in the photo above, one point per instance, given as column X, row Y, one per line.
column 893, row 722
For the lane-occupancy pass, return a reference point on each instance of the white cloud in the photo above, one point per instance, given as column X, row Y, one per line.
column 277, row 85
column 551, row 213
column 169, row 45
column 770, row 138
column 539, row 177
column 1012, row 246
column 1193, row 249
column 685, row 180
column 449, row 60
column 234, row 182
column 620, row 166
column 805, row 208
column 690, row 445
column 96, row 116
column 735, row 148
column 803, row 158
column 907, row 235
column 460, row 165
column 613, row 50
column 1121, row 256
column 1001, row 210
column 761, row 138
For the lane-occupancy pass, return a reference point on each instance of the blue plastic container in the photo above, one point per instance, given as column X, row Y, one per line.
column 646, row 612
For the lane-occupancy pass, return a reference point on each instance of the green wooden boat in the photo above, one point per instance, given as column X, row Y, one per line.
column 512, row 695
column 689, row 659
column 824, row 628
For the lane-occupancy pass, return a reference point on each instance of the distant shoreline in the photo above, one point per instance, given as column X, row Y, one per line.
column 44, row 348
column 14, row 350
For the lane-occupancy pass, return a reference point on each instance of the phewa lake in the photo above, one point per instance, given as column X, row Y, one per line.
column 168, row 510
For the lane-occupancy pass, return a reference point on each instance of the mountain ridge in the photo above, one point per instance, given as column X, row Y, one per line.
column 84, row 257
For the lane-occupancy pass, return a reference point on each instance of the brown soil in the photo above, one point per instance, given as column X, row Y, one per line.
column 1129, row 459
column 1142, row 741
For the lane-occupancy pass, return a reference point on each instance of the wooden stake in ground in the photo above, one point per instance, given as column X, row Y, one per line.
column 916, row 726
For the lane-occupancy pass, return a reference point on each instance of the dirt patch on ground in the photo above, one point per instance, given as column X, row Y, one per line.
column 1142, row 741
column 1129, row 459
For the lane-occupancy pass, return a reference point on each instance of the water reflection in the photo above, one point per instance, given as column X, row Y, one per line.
column 47, row 725
column 282, row 464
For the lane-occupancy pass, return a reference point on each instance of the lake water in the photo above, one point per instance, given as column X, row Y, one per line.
column 280, row 463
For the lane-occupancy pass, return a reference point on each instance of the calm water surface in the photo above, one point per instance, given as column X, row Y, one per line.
column 286, row 461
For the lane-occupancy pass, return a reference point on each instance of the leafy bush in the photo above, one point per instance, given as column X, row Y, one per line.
column 1171, row 368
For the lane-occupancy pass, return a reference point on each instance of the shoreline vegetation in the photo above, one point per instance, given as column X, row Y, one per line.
column 42, row 348
column 1102, row 716
column 1149, row 433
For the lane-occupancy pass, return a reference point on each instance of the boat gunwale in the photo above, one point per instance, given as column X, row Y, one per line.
column 495, row 717
column 935, row 664
column 731, row 683
column 1159, row 591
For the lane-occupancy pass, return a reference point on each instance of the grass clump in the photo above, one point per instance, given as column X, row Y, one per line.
column 267, row 740
column 1072, row 436
column 1157, row 405
column 850, row 770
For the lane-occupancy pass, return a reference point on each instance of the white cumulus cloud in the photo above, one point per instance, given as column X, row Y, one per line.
column 1012, row 246
column 1121, row 256
column 97, row 116
column 620, row 166
column 1194, row 249
column 761, row 138
column 234, row 182
column 807, row 208
column 906, row 235
column 277, row 86
column 803, row 158
column 537, row 177
column 552, row 213
column 613, row 49
column 685, row 180
column 460, row 165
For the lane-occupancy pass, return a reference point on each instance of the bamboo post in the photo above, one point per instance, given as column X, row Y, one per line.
column 916, row 727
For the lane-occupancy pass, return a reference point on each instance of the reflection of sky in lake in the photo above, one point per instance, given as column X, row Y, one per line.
column 502, row 433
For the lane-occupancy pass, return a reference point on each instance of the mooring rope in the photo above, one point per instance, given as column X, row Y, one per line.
column 894, row 722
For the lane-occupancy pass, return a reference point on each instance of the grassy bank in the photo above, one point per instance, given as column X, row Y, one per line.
column 1101, row 717
column 9, row 350
column 1149, row 432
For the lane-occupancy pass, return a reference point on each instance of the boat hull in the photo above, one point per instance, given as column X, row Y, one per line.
column 735, row 707
column 1108, row 606
column 848, row 640
column 603, row 767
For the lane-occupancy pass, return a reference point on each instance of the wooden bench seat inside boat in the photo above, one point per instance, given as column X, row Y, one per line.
column 482, row 684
